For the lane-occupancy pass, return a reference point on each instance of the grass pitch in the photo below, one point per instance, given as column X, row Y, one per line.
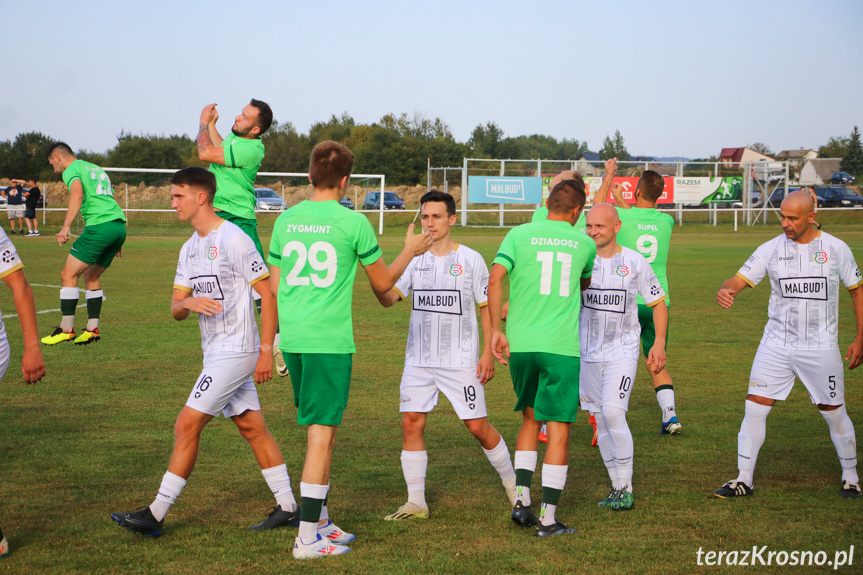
column 95, row 437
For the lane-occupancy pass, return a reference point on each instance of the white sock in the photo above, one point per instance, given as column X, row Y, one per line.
column 414, row 466
column 308, row 531
column 93, row 322
column 554, row 477
column 280, row 484
column 67, row 323
column 606, row 449
column 498, row 456
column 753, row 430
column 525, row 460
column 325, row 510
column 621, row 438
column 842, row 434
column 171, row 487
column 665, row 397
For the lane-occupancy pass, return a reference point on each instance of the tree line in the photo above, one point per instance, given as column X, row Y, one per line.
column 398, row 146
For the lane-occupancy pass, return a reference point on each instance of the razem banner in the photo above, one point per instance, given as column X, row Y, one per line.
column 708, row 190
column 669, row 192
column 504, row 190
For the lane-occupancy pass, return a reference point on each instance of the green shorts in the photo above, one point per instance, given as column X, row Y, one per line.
column 321, row 383
column 100, row 243
column 648, row 330
column 248, row 226
column 547, row 382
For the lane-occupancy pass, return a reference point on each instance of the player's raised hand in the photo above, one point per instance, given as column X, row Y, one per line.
column 417, row 243
column 617, row 191
column 207, row 306
column 611, row 167
column 264, row 367
column 208, row 114
column 725, row 297
column 500, row 347
column 656, row 359
column 485, row 367
column 855, row 353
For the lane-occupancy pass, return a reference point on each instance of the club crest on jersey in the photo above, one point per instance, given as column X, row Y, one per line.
column 212, row 253
column 456, row 270
column 622, row 271
column 821, row 257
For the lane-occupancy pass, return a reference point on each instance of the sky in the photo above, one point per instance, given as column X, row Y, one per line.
column 676, row 78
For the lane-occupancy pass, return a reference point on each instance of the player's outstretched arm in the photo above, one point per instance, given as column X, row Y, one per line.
column 269, row 321
column 182, row 304
column 729, row 290
column 602, row 193
column 208, row 150
column 382, row 277
column 499, row 343
column 656, row 357
column 32, row 363
column 388, row 299
column 485, row 367
column 617, row 193
column 855, row 350
column 76, row 198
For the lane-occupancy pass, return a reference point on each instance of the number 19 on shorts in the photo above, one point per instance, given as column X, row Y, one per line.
column 551, row 270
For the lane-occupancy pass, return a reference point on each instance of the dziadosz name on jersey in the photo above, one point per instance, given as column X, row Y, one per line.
column 553, row 242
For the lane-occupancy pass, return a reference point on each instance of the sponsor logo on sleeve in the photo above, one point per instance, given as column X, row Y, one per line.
column 655, row 289
column 483, row 282
column 804, row 288
column 821, row 257
column 607, row 300
column 257, row 266
column 8, row 256
column 251, row 255
column 207, row 286
column 437, row 301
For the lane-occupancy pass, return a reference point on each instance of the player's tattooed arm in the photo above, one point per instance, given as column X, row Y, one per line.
column 855, row 350
column 208, row 150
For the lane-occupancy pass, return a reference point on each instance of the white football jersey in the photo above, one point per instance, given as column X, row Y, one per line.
column 9, row 262
column 223, row 266
column 608, row 328
column 803, row 310
column 445, row 291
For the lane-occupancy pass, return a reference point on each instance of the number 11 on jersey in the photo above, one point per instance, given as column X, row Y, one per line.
column 547, row 260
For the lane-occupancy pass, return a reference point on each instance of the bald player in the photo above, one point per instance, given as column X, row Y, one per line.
column 609, row 335
column 804, row 266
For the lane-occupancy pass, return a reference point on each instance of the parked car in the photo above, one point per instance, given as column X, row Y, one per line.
column 391, row 201
column 347, row 203
column 267, row 199
column 778, row 195
column 842, row 178
column 838, row 197
column 3, row 199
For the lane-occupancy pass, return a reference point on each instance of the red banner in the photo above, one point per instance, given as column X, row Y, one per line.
column 629, row 185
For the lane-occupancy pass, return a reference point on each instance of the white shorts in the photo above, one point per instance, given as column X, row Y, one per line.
column 16, row 211
column 606, row 383
column 4, row 351
column 420, row 387
column 226, row 385
column 821, row 372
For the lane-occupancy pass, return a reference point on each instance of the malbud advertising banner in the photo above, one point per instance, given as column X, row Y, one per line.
column 504, row 190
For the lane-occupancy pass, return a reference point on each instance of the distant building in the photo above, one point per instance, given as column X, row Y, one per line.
column 589, row 164
column 733, row 157
column 796, row 158
column 817, row 171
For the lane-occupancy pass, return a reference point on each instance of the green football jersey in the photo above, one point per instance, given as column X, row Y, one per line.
column 316, row 245
column 546, row 261
column 99, row 205
column 541, row 213
column 235, row 181
column 648, row 231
